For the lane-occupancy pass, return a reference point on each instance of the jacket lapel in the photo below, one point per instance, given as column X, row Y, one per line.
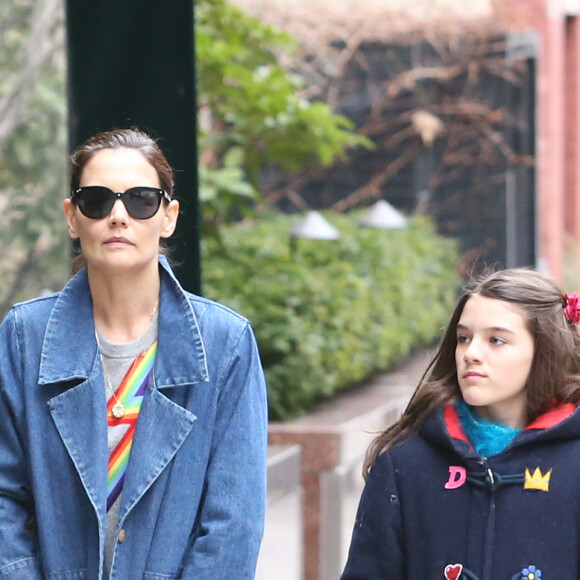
column 181, row 357
column 79, row 415
column 69, row 347
column 164, row 425
column 161, row 430
column 79, row 412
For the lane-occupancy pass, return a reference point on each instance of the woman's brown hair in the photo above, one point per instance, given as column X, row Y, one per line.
column 122, row 139
column 555, row 370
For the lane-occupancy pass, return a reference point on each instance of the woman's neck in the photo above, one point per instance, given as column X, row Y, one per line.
column 124, row 306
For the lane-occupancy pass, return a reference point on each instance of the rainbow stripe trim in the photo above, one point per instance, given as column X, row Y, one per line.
column 130, row 393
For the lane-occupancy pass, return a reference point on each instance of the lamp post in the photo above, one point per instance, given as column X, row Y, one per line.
column 384, row 216
column 131, row 64
column 313, row 227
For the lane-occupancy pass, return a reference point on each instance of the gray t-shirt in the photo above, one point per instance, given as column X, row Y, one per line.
column 117, row 360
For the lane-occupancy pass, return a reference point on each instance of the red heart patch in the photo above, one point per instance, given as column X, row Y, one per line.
column 453, row 571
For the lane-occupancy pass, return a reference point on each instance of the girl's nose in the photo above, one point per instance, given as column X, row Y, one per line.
column 472, row 352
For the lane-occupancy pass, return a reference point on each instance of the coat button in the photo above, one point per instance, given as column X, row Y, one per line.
column 122, row 535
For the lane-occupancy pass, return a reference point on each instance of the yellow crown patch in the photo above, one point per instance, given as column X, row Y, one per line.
column 537, row 480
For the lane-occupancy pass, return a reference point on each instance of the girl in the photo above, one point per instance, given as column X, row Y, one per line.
column 479, row 478
column 132, row 413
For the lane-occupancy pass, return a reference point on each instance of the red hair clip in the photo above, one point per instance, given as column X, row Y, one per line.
column 572, row 310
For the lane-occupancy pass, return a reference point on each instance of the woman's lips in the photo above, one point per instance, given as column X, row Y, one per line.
column 118, row 240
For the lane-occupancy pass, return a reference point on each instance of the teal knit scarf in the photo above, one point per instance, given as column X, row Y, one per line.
column 487, row 438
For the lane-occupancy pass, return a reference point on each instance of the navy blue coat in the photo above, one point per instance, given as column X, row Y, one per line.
column 433, row 509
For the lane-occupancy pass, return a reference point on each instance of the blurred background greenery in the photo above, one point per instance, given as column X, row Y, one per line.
column 33, row 149
column 327, row 314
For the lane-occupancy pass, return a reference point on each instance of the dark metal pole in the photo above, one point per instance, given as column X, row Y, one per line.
column 131, row 64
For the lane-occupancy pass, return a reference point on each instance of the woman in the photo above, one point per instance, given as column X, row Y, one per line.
column 478, row 479
column 132, row 413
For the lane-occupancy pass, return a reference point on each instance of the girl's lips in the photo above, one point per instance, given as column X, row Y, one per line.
column 473, row 374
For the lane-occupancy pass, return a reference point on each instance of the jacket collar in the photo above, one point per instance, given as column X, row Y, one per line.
column 69, row 348
column 558, row 413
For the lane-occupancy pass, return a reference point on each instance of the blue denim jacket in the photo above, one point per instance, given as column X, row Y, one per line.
column 194, row 494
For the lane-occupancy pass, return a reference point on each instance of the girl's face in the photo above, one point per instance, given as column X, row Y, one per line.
column 494, row 356
column 118, row 242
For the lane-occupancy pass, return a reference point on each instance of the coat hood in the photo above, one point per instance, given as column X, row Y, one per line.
column 561, row 422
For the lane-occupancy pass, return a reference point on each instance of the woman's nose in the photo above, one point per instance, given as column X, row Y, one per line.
column 118, row 213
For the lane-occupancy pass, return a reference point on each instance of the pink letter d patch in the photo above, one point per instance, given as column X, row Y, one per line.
column 457, row 477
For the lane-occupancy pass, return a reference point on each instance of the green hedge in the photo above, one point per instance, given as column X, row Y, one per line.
column 329, row 314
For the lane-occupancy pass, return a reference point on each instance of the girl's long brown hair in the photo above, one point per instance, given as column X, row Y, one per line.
column 555, row 370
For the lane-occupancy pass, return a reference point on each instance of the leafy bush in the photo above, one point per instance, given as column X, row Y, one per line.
column 329, row 314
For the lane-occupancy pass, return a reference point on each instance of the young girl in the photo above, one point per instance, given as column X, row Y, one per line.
column 480, row 477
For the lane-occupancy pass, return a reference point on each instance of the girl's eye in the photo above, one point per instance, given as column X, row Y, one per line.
column 462, row 339
column 497, row 341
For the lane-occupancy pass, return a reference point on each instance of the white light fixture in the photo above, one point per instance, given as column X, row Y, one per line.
column 383, row 215
column 314, row 227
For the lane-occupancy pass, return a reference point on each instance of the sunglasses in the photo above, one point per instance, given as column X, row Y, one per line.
column 97, row 201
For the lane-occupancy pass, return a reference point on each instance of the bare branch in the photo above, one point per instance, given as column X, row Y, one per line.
column 373, row 188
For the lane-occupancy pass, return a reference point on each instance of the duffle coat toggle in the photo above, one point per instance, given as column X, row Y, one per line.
column 492, row 480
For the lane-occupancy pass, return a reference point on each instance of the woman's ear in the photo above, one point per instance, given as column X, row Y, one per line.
column 170, row 219
column 70, row 212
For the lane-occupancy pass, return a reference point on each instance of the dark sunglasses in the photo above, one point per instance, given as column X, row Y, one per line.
column 96, row 201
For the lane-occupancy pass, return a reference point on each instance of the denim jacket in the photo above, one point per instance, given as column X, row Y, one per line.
column 194, row 494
